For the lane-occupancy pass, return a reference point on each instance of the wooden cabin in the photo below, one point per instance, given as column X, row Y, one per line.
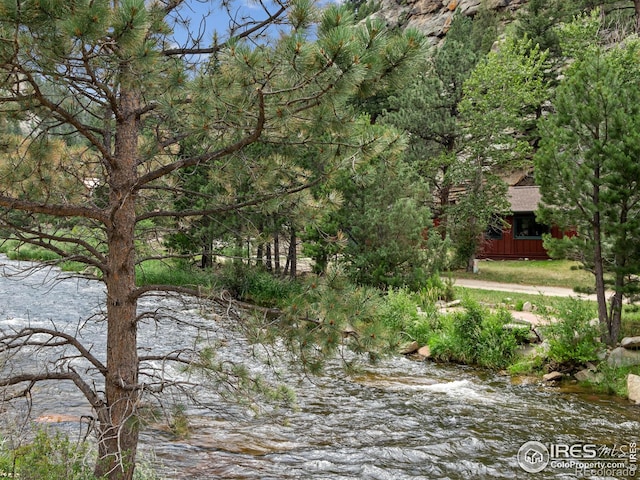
column 523, row 238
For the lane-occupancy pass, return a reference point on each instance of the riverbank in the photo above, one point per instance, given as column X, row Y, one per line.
column 393, row 418
column 558, row 343
column 510, row 341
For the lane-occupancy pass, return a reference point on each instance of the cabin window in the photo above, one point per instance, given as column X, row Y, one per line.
column 494, row 232
column 526, row 227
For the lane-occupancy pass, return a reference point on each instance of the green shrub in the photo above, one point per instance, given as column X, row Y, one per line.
column 330, row 312
column 533, row 364
column 613, row 380
column 428, row 324
column 171, row 272
column 475, row 337
column 16, row 251
column 436, row 288
column 399, row 309
column 443, row 347
column 572, row 338
column 497, row 345
column 256, row 285
column 50, row 456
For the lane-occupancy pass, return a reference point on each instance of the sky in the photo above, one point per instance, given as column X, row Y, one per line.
column 207, row 16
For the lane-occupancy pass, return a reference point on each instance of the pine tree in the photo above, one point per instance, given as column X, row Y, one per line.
column 588, row 170
column 504, row 90
column 117, row 78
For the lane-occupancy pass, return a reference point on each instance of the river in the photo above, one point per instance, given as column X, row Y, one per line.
column 398, row 419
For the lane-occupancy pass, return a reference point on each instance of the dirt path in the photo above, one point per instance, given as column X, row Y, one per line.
column 517, row 288
column 530, row 317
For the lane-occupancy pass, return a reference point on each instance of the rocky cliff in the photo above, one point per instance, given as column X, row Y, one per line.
column 433, row 17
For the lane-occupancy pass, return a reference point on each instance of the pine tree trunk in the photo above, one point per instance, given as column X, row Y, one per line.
column 268, row 259
column 118, row 427
column 293, row 259
column 276, row 252
column 615, row 314
column 601, row 296
column 260, row 255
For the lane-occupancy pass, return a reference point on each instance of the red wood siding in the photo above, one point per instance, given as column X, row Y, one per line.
column 511, row 248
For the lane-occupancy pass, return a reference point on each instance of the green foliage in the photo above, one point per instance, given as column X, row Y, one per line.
column 475, row 337
column 436, row 289
column 332, row 314
column 378, row 227
column 501, row 96
column 579, row 37
column 528, row 365
column 571, row 335
column 496, row 344
column 16, row 251
column 484, row 31
column 256, row 285
column 587, row 167
column 399, row 309
column 179, row 422
column 51, row 456
column 171, row 272
column 536, row 21
column 613, row 380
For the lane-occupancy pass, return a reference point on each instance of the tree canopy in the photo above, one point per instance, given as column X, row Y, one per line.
column 588, row 169
column 105, row 97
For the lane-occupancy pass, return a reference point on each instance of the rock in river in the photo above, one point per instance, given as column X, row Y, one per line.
column 623, row 357
column 633, row 387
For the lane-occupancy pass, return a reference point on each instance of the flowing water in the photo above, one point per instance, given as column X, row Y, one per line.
column 396, row 420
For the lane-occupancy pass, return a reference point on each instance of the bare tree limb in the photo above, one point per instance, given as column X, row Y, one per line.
column 33, row 378
column 10, row 341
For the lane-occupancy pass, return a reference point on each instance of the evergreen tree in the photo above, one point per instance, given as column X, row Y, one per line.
column 131, row 90
column 588, row 170
column 504, row 90
column 428, row 110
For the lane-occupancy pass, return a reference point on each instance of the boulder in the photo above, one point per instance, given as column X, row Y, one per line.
column 538, row 333
column 630, row 342
column 425, row 352
column 409, row 348
column 588, row 375
column 526, row 351
column 454, row 303
column 552, row 377
column 527, row 307
column 623, row 357
column 633, row 387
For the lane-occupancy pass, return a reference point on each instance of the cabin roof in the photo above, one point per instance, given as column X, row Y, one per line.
column 524, row 199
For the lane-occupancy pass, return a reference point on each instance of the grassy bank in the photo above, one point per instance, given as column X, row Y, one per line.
column 547, row 273
column 475, row 334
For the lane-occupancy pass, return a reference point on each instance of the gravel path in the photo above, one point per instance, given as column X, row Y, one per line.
column 530, row 317
column 517, row 288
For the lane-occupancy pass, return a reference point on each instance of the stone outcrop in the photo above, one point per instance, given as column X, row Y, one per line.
column 433, row 17
column 630, row 343
column 589, row 375
column 623, row 357
column 553, row 377
column 409, row 348
column 627, row 354
column 633, row 387
column 424, row 352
